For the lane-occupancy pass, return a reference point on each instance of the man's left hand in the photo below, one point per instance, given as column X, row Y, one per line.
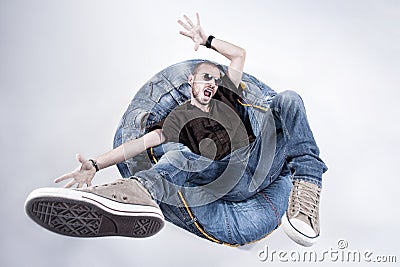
column 195, row 32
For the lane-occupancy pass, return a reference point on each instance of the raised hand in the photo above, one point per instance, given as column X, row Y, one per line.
column 82, row 175
column 195, row 32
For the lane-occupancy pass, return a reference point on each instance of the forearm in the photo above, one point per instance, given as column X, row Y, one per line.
column 121, row 153
column 230, row 51
column 130, row 149
column 235, row 54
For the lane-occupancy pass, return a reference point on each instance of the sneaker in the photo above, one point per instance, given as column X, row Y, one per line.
column 121, row 208
column 301, row 220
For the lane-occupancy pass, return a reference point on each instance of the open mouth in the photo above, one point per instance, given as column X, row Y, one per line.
column 208, row 92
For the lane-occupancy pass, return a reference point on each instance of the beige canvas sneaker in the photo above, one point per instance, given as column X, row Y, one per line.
column 301, row 220
column 121, row 208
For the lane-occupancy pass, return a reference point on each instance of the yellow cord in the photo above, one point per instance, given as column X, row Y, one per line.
column 199, row 227
column 249, row 105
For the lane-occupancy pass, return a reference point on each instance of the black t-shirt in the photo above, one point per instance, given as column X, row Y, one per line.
column 213, row 134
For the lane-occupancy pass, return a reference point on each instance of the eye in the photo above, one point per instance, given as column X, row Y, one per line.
column 208, row 77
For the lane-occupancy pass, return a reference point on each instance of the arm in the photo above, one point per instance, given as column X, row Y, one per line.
column 130, row 149
column 84, row 174
column 235, row 54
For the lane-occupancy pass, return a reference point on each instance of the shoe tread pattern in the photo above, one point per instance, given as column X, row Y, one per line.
column 80, row 219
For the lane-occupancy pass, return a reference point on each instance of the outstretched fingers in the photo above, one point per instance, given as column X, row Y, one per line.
column 187, row 34
column 71, row 183
column 184, row 25
column 198, row 19
column 80, row 158
column 193, row 31
column 188, row 20
column 82, row 175
column 196, row 46
column 65, row 177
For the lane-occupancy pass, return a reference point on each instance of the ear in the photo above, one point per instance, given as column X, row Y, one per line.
column 191, row 79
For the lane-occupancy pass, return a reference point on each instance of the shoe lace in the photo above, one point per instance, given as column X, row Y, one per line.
column 305, row 199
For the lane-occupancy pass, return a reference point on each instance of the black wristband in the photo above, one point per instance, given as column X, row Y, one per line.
column 209, row 40
column 94, row 163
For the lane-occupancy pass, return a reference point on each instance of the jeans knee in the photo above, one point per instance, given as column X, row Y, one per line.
column 178, row 156
column 290, row 95
column 289, row 98
column 172, row 156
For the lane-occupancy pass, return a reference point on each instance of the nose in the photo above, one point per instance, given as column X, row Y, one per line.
column 212, row 84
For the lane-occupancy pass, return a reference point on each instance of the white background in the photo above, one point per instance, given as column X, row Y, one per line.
column 68, row 70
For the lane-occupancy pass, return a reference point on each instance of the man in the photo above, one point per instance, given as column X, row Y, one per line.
column 227, row 196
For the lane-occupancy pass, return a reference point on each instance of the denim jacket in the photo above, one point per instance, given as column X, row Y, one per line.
column 168, row 89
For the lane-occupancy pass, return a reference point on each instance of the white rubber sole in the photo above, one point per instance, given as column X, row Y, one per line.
column 81, row 214
column 296, row 235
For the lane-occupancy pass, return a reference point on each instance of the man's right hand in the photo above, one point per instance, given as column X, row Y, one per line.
column 84, row 174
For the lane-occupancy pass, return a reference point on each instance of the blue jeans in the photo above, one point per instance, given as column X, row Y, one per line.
column 242, row 197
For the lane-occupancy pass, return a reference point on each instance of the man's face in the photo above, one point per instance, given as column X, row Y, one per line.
column 204, row 84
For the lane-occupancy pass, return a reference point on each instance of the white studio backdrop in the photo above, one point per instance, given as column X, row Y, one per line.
column 68, row 70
